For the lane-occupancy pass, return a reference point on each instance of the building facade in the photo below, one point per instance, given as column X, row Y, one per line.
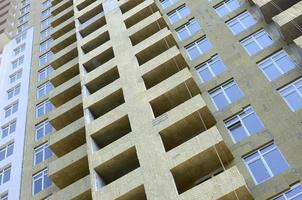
column 155, row 99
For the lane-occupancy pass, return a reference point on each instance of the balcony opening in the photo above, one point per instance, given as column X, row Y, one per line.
column 200, row 168
column 58, row 20
column 118, row 166
column 65, row 57
column 96, row 42
column 187, row 128
column 99, row 60
column 174, row 97
column 112, row 132
column 65, row 29
column 140, row 15
column 58, row 46
column 65, row 73
column 147, row 31
column 84, row 4
column 164, row 71
column 103, row 80
column 129, row 5
column 96, row 23
column 155, row 49
column 62, row 7
column 90, row 14
column 65, row 94
column 134, row 194
column 107, row 104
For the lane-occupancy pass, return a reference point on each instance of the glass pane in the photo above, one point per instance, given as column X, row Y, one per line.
column 48, row 153
column 264, row 40
column 236, row 27
column 183, row 34
column 222, row 11
column 47, row 181
column 194, row 27
column 10, row 150
column 295, row 191
column 252, row 123
column 220, row 101
column 259, row 171
column 233, row 4
column 6, row 175
column 217, row 67
column 233, row 92
column 48, row 128
column 248, row 20
column 205, row 45
column 2, row 154
column 275, row 161
column 252, row 48
column 193, row 53
column 271, row 72
column 38, row 157
column 37, row 185
column 238, row 132
column 173, row 18
column 205, row 74
column 294, row 100
column 184, row 11
column 286, row 64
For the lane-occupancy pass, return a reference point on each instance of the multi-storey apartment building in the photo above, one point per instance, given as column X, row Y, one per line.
column 157, row 100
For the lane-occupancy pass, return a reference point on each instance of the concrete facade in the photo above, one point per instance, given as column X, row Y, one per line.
column 131, row 116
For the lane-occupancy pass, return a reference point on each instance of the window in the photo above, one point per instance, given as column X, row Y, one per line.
column 44, row 73
column 187, row 30
column 178, row 14
column 210, row 69
column 167, row 3
column 43, row 108
column 45, row 23
column 226, row 94
column 265, row 163
column 244, row 124
column 22, row 27
column 21, row 38
column 15, row 76
column 292, row 95
column 8, row 129
column 45, row 33
column 41, row 153
column 6, row 151
column 46, row 13
column 4, row 196
column 294, row 193
column 5, row 175
column 43, row 129
column 24, row 10
column 226, row 7
column 276, row 65
column 19, row 49
column 41, row 181
column 18, row 62
column 11, row 109
column 44, row 89
column 45, row 45
column 46, row 4
column 45, row 58
column 23, row 18
column 13, row 92
column 241, row 22
column 256, row 42
column 199, row 47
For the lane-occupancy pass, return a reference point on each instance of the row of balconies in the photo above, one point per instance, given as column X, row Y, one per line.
column 171, row 91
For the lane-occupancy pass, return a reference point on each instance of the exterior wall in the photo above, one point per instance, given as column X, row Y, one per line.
column 13, row 186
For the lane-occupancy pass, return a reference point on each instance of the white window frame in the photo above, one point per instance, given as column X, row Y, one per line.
column 299, row 194
column 45, row 33
column 177, row 12
column 43, row 105
column 186, row 27
column 19, row 49
column 261, row 157
column 42, row 126
column 38, row 176
column 225, row 4
column 6, row 148
column 44, row 88
column 238, row 19
column 46, row 71
column 10, row 127
column 13, row 91
column 11, row 109
column 272, row 59
column 44, row 46
column 253, row 38
column 2, row 172
column 295, row 89
column 15, row 76
column 208, row 65
column 17, row 62
column 195, row 44
column 41, row 149
column 221, row 89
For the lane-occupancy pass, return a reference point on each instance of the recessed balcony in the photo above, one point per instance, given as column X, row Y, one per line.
column 80, row 6
column 95, row 42
column 99, row 60
column 128, row 5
